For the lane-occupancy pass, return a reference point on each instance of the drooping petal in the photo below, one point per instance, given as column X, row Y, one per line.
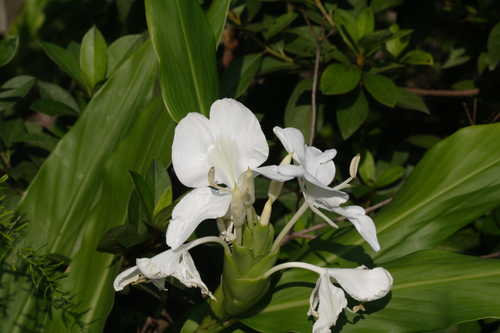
column 126, row 277
column 281, row 173
column 240, row 141
column 293, row 141
column 192, row 141
column 363, row 284
column 326, row 303
column 322, row 196
column 362, row 222
column 198, row 205
column 189, row 275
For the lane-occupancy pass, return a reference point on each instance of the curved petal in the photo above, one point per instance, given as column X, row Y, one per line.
column 281, row 173
column 319, row 164
column 192, row 141
column 321, row 195
column 198, row 205
column 362, row 222
column 238, row 136
column 293, row 141
column 326, row 303
column 126, row 277
column 363, row 284
column 160, row 266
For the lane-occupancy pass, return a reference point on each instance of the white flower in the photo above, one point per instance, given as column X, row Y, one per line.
column 177, row 263
column 327, row 301
column 230, row 143
column 325, row 304
column 315, row 171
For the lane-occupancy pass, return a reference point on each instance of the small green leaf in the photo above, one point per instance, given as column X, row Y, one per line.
column 381, row 88
column 216, row 16
column 93, row 57
column 425, row 141
column 17, row 87
column 8, row 49
column 50, row 91
column 66, row 60
column 279, row 24
column 271, row 65
column 389, row 175
column 352, row 112
column 52, row 108
column 457, row 57
column 494, row 46
column 367, row 168
column 240, row 74
column 380, row 5
column 411, row 101
column 120, row 49
column 418, row 57
column 297, row 114
column 339, row 79
column 483, row 62
column 365, row 22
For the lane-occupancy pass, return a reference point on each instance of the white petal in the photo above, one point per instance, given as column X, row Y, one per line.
column 126, row 277
column 320, row 165
column 362, row 222
column 198, row 205
column 363, row 284
column 238, row 131
column 192, row 141
column 188, row 275
column 323, row 196
column 293, row 141
column 281, row 173
column 160, row 266
column 327, row 303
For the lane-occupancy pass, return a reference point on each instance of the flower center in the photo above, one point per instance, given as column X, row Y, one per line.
column 224, row 156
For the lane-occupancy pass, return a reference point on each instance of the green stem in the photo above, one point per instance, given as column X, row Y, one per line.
column 289, row 226
column 212, row 325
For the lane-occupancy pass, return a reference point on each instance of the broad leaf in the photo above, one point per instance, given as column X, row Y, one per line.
column 66, row 60
column 8, row 49
column 408, row 100
column 339, row 79
column 184, row 44
column 120, row 49
column 428, row 293
column 494, row 46
column 381, row 88
column 352, row 112
column 216, row 16
column 69, row 201
column 240, row 74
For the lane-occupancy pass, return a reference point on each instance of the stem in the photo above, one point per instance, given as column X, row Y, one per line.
column 313, row 94
column 211, row 325
column 289, row 226
column 444, row 93
column 208, row 239
column 294, row 264
column 324, row 12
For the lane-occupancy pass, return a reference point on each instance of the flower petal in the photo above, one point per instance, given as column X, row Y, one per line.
column 362, row 222
column 192, row 141
column 326, row 303
column 198, row 205
column 189, row 276
column 363, row 284
column 126, row 277
column 293, row 141
column 319, row 164
column 322, row 196
column 281, row 173
column 235, row 125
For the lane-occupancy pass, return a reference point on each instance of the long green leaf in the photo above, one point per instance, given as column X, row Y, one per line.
column 216, row 15
column 429, row 293
column 83, row 188
column 184, row 44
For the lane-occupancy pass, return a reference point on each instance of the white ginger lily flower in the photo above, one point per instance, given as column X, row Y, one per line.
column 315, row 170
column 177, row 263
column 226, row 145
column 327, row 301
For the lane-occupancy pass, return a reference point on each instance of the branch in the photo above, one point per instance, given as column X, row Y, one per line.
column 305, row 233
column 444, row 93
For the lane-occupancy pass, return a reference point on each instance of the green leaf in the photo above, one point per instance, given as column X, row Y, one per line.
column 240, row 74
column 389, row 175
column 352, row 112
column 69, row 201
column 457, row 57
column 50, row 91
column 8, row 49
column 66, row 60
column 297, row 114
column 52, row 108
column 418, row 57
column 216, row 16
column 408, row 100
column 367, row 168
column 279, row 24
column 425, row 141
column 271, row 65
column 339, row 79
column 18, row 86
column 494, row 46
column 185, row 48
column 428, row 293
column 93, row 57
column 381, row 88
column 365, row 22
column 120, row 49
column 145, row 193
